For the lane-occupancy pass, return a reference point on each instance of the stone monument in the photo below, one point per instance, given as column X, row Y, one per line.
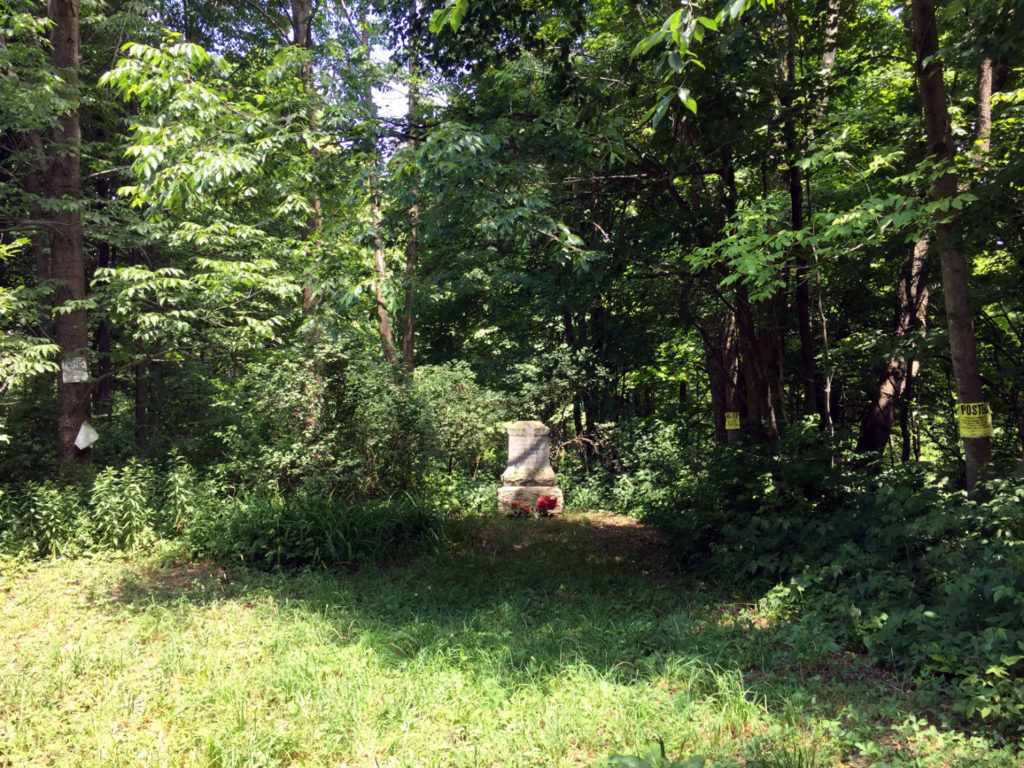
column 529, row 475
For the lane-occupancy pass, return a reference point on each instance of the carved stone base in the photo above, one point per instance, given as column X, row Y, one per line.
column 527, row 494
column 529, row 476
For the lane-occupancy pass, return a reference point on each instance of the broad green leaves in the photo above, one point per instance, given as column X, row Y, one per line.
column 23, row 354
column 202, row 134
column 452, row 15
column 678, row 34
column 653, row 756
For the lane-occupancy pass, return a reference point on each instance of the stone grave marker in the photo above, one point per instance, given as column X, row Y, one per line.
column 529, row 475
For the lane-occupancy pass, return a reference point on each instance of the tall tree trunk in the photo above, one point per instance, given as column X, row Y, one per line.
column 411, row 262
column 761, row 420
column 141, row 403
column 722, row 360
column 380, row 267
column 956, row 292
column 141, row 373
column 105, row 384
column 828, row 59
column 577, row 415
column 412, row 241
column 63, row 183
column 911, row 313
column 302, row 37
column 828, row 56
column 796, row 201
column 983, row 110
column 752, row 373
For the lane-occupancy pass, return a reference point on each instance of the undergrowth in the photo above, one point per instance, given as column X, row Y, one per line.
column 551, row 642
column 131, row 507
column 889, row 559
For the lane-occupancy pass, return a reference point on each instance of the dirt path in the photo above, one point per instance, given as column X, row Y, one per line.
column 576, row 540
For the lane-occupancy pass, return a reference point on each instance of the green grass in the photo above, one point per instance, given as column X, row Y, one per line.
column 527, row 642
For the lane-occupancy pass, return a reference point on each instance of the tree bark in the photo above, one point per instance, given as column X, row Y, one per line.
column 141, row 403
column 983, row 110
column 752, row 373
column 956, row 292
column 722, row 359
column 796, row 200
column 761, row 420
column 104, row 344
column 380, row 267
column 411, row 262
column 412, row 241
column 302, row 37
column 911, row 313
column 64, row 187
column 828, row 57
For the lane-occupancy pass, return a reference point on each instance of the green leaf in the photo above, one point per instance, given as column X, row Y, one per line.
column 660, row 109
column 653, row 752
column 688, row 100
column 459, row 13
column 650, row 41
column 452, row 15
column 672, row 23
column 676, row 62
column 628, row 761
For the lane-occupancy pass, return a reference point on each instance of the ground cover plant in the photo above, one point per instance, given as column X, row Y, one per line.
column 891, row 560
column 525, row 642
column 275, row 276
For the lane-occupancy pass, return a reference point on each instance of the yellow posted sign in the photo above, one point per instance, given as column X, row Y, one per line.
column 975, row 419
column 732, row 420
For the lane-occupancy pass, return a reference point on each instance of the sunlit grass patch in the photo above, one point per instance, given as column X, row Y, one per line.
column 525, row 643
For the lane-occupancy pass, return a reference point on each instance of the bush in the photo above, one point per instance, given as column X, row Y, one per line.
column 127, row 508
column 644, row 469
column 278, row 531
column 43, row 519
column 353, row 427
column 122, row 502
column 321, row 424
column 466, row 420
column 894, row 559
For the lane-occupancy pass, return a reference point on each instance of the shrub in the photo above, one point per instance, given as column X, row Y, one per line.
column 894, row 559
column 589, row 491
column 466, row 419
column 122, row 505
column 349, row 426
column 272, row 530
column 644, row 469
column 44, row 519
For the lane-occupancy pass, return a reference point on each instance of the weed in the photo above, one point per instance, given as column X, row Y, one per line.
column 550, row 644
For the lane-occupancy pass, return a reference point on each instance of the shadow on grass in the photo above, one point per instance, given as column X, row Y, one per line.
column 530, row 599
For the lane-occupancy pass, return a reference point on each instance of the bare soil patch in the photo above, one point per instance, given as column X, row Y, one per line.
column 577, row 540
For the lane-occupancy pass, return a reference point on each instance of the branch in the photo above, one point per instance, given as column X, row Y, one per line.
column 273, row 22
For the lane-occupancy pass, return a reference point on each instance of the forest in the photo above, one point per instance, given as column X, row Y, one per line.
column 275, row 277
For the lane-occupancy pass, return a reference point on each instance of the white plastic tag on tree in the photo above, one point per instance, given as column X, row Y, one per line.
column 86, row 436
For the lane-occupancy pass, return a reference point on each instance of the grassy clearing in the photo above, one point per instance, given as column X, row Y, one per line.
column 532, row 642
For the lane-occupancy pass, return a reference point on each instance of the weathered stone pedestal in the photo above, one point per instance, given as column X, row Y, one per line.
column 528, row 476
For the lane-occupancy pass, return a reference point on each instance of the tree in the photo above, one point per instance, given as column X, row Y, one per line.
column 956, row 291
column 66, row 265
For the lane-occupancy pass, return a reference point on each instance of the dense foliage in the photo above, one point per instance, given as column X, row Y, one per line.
column 891, row 559
column 709, row 246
